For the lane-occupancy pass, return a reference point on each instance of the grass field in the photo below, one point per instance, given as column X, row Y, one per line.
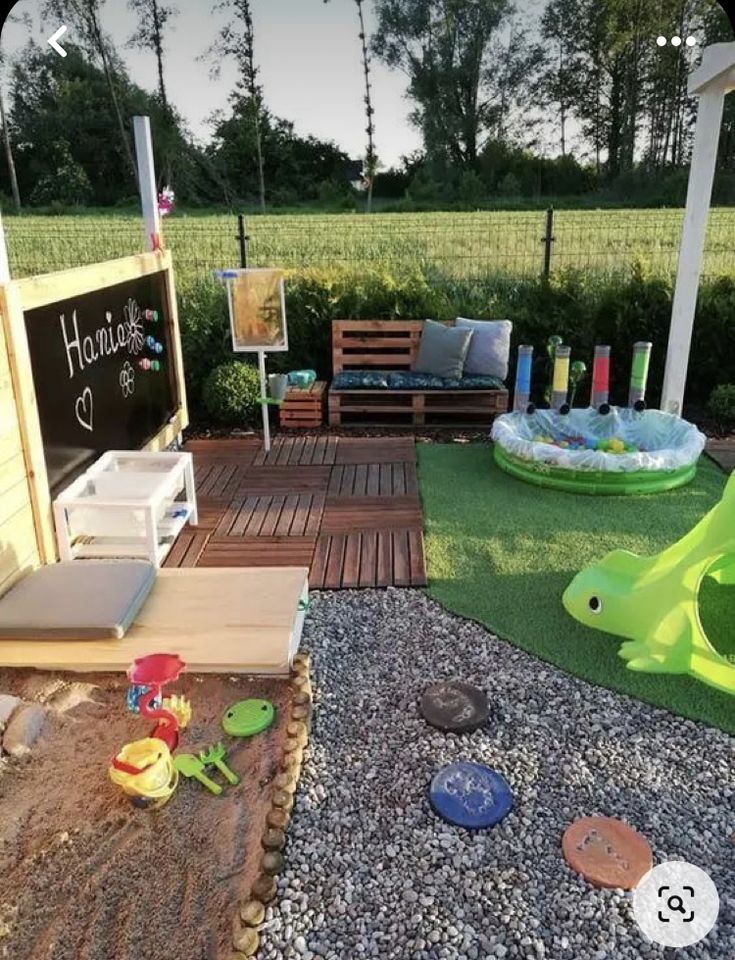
column 470, row 245
column 502, row 552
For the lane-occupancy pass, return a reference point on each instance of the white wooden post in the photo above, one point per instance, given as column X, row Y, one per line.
column 4, row 264
column 691, row 252
column 147, row 182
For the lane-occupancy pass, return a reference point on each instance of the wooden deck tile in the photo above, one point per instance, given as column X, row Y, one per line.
column 376, row 450
column 299, row 451
column 368, row 558
column 281, row 515
column 373, row 480
column 371, row 513
column 723, row 453
column 187, row 550
column 217, row 479
column 209, row 513
column 259, row 552
column 347, row 507
column 242, row 452
column 283, row 480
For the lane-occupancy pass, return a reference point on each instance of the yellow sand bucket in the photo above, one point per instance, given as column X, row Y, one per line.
column 145, row 771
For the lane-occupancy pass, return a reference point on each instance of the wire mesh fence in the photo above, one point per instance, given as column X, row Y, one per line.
column 461, row 245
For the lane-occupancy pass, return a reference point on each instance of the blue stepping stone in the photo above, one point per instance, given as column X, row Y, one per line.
column 470, row 795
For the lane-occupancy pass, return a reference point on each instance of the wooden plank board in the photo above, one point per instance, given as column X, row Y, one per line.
column 349, row 507
column 242, row 451
column 259, row 552
column 219, row 621
column 723, row 453
column 262, row 480
column 379, row 450
column 282, row 515
column 368, row 558
column 371, row 513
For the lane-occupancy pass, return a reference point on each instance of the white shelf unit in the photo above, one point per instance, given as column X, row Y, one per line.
column 127, row 504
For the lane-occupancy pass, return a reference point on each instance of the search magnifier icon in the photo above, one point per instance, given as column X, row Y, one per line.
column 679, row 908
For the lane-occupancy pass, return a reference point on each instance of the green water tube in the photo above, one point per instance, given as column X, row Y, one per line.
column 593, row 482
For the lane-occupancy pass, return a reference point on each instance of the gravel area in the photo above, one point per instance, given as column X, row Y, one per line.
column 372, row 872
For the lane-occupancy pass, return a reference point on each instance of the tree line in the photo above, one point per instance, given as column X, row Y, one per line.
column 581, row 101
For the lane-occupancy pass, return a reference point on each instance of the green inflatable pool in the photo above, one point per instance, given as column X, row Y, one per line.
column 665, row 454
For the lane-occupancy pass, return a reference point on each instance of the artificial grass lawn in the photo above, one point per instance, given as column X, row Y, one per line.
column 501, row 551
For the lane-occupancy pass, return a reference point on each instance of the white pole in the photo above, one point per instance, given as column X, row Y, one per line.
column 4, row 264
column 147, row 182
column 691, row 252
column 264, row 405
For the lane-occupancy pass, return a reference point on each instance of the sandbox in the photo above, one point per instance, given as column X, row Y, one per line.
column 87, row 875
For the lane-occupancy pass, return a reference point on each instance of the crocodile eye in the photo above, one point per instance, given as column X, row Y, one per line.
column 595, row 605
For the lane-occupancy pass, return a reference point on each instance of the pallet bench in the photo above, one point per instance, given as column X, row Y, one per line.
column 393, row 345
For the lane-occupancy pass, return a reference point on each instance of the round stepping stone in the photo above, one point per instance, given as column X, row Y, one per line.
column 607, row 852
column 248, row 717
column 454, row 707
column 470, row 795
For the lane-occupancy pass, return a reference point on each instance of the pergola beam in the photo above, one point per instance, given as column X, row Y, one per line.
column 711, row 81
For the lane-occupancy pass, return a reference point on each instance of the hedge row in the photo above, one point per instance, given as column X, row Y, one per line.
column 583, row 309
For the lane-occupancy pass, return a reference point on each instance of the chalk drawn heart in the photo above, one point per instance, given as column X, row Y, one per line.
column 84, row 409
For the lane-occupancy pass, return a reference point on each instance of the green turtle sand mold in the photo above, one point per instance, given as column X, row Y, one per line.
column 653, row 601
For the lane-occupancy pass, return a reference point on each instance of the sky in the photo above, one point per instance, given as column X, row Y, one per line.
column 308, row 53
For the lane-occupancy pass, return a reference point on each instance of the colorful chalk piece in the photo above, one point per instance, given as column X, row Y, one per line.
column 155, row 366
column 151, row 315
column 144, row 364
column 468, row 794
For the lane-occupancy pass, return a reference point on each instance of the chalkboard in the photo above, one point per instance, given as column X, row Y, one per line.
column 103, row 372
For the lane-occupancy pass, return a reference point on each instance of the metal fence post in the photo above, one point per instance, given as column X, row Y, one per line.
column 547, row 240
column 242, row 239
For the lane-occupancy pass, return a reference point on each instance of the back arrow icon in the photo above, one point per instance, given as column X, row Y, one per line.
column 54, row 44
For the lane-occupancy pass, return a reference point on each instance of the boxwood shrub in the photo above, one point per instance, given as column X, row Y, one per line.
column 584, row 309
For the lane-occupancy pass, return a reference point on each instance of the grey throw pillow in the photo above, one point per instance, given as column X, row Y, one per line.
column 442, row 350
column 78, row 600
column 489, row 351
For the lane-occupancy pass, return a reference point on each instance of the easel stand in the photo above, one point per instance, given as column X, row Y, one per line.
column 264, row 401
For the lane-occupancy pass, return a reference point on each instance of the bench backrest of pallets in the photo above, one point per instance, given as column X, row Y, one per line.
column 387, row 344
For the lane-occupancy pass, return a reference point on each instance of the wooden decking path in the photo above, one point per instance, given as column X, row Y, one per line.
column 723, row 453
column 348, row 508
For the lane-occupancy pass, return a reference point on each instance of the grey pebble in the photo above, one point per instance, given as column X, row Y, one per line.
column 392, row 881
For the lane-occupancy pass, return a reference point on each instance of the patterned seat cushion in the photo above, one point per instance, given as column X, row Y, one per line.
column 361, row 380
column 412, row 380
column 475, row 382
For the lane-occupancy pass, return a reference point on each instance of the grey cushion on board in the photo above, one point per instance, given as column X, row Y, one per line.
column 78, row 600
column 442, row 350
column 489, row 351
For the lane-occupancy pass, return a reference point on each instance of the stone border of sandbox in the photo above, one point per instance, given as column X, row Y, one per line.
column 251, row 912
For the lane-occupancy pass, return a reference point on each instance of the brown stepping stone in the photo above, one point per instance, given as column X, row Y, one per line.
column 607, row 852
column 454, row 706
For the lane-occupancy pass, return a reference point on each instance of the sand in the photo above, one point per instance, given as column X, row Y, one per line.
column 87, row 876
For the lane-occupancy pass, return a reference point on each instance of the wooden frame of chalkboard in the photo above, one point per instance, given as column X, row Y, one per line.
column 94, row 324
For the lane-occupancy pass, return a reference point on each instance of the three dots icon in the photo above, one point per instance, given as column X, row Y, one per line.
column 676, row 41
